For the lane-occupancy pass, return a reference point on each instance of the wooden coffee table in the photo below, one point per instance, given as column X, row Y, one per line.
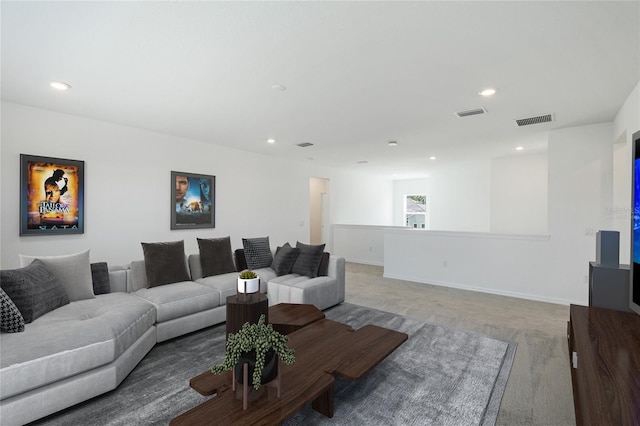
column 289, row 317
column 324, row 348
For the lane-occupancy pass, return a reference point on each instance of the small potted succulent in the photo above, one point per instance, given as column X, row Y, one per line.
column 259, row 345
column 248, row 282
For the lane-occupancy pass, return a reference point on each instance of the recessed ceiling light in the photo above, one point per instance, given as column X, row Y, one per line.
column 363, row 162
column 271, row 140
column 519, row 148
column 432, row 157
column 393, row 143
column 278, row 87
column 58, row 85
column 488, row 92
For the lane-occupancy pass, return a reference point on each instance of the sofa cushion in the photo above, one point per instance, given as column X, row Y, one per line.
column 11, row 320
column 165, row 263
column 226, row 284
column 284, row 259
column 72, row 271
column 308, row 261
column 320, row 291
column 216, row 256
column 180, row 299
column 100, row 278
column 72, row 339
column 33, row 289
column 257, row 251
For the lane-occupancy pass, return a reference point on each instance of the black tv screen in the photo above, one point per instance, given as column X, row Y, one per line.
column 634, row 287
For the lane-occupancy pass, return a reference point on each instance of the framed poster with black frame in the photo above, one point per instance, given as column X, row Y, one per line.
column 51, row 195
column 193, row 200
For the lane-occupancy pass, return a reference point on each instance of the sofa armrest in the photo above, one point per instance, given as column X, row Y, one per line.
column 118, row 279
column 195, row 267
column 337, row 271
column 136, row 276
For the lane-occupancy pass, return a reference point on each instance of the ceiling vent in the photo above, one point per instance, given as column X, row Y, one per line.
column 305, row 144
column 470, row 112
column 534, row 120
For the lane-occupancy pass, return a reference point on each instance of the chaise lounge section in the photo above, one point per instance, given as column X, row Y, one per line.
column 73, row 353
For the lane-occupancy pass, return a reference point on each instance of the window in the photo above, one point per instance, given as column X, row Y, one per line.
column 415, row 211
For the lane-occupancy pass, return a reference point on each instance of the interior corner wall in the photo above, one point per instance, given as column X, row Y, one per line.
column 128, row 188
column 317, row 187
column 580, row 194
column 519, row 194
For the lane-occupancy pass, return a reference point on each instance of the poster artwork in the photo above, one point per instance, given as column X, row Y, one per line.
column 194, row 200
column 53, row 196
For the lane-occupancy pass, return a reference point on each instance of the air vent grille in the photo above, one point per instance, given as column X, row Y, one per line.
column 535, row 120
column 305, row 144
column 471, row 112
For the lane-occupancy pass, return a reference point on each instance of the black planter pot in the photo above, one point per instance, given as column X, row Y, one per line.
column 269, row 372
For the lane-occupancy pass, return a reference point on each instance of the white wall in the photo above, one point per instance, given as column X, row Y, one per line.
column 627, row 122
column 460, row 196
column 550, row 268
column 505, row 264
column 408, row 187
column 360, row 243
column 519, row 194
column 317, row 187
column 128, row 184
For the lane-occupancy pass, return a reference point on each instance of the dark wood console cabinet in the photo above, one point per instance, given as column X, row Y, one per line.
column 604, row 355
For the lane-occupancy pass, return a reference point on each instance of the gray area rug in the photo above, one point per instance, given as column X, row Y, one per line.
column 439, row 376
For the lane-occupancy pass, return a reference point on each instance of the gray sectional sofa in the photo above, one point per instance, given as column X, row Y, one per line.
column 73, row 353
column 88, row 347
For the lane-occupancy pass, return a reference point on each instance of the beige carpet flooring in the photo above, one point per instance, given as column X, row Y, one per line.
column 539, row 388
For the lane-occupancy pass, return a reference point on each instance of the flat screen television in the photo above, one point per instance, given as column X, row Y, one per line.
column 634, row 278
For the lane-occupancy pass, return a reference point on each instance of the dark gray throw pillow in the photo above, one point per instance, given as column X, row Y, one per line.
column 308, row 261
column 100, row 278
column 284, row 259
column 323, row 270
column 165, row 263
column 216, row 256
column 241, row 261
column 34, row 290
column 11, row 320
column 257, row 251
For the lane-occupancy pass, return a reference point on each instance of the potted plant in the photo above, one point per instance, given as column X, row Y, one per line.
column 254, row 342
column 248, row 282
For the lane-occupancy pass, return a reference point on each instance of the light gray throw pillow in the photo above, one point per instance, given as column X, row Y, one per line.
column 72, row 271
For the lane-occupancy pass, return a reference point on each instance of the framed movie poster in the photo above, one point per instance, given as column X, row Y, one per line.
column 193, row 201
column 51, row 196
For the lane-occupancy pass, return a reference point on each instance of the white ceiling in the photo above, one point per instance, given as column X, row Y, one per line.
column 357, row 74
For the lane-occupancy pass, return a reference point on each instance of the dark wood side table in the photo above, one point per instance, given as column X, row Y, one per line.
column 604, row 352
column 246, row 308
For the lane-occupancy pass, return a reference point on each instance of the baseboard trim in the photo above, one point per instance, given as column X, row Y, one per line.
column 363, row 261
